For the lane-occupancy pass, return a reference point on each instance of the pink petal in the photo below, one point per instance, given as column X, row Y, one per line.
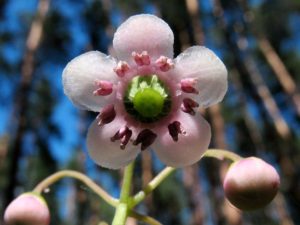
column 80, row 76
column 251, row 183
column 143, row 33
column 207, row 69
column 106, row 153
column 189, row 147
column 28, row 208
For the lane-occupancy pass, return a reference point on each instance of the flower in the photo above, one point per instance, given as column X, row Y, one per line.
column 251, row 183
column 145, row 97
column 27, row 209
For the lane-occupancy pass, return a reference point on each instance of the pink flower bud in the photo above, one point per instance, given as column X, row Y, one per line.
column 27, row 209
column 251, row 183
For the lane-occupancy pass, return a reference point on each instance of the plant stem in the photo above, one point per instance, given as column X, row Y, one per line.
column 120, row 214
column 215, row 153
column 79, row 176
column 123, row 206
column 221, row 154
column 152, row 185
column 127, row 180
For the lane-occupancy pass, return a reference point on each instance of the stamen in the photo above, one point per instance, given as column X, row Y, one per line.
column 188, row 105
column 164, row 63
column 122, row 68
column 141, row 59
column 146, row 137
column 104, row 88
column 175, row 128
column 106, row 115
column 124, row 135
column 187, row 85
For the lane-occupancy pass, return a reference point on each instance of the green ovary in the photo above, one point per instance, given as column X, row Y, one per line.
column 148, row 102
column 147, row 98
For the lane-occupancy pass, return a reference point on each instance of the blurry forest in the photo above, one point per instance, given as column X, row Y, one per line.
column 42, row 132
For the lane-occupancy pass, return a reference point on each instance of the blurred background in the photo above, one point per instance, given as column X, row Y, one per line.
column 42, row 132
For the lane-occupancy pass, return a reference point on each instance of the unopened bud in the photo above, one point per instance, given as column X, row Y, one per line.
column 27, row 209
column 251, row 183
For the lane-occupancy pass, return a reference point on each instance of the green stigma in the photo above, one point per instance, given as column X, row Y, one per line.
column 147, row 99
column 148, row 102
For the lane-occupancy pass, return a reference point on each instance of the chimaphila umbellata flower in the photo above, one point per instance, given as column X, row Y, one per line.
column 145, row 97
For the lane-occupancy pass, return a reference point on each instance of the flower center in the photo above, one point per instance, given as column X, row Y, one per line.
column 147, row 98
column 148, row 102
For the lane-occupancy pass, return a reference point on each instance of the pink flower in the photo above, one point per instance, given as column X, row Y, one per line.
column 29, row 209
column 251, row 183
column 145, row 97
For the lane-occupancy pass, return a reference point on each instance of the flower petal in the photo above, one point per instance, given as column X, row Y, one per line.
column 189, row 147
column 79, row 78
column 202, row 64
column 105, row 152
column 28, row 208
column 143, row 33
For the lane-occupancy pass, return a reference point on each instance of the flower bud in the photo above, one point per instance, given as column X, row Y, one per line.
column 27, row 209
column 251, row 183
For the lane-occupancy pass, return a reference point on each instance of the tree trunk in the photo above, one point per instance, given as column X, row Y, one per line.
column 249, row 122
column 266, row 96
column 280, row 71
column 22, row 97
column 284, row 77
column 248, row 66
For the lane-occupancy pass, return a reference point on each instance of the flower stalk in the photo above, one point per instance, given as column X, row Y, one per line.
column 140, row 196
column 126, row 203
column 79, row 176
column 221, row 155
column 123, row 206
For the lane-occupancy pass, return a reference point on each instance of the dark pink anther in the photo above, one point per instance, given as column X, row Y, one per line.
column 141, row 59
column 164, row 63
column 104, row 88
column 121, row 68
column 188, row 105
column 175, row 128
column 106, row 115
column 124, row 135
column 146, row 137
column 187, row 85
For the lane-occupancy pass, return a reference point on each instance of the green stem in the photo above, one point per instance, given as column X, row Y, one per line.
column 123, row 206
column 127, row 180
column 79, row 176
column 215, row 153
column 152, row 185
column 221, row 154
column 143, row 218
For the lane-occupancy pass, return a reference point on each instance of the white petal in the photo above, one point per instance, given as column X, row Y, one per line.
column 203, row 65
column 143, row 33
column 79, row 78
column 105, row 152
column 189, row 147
